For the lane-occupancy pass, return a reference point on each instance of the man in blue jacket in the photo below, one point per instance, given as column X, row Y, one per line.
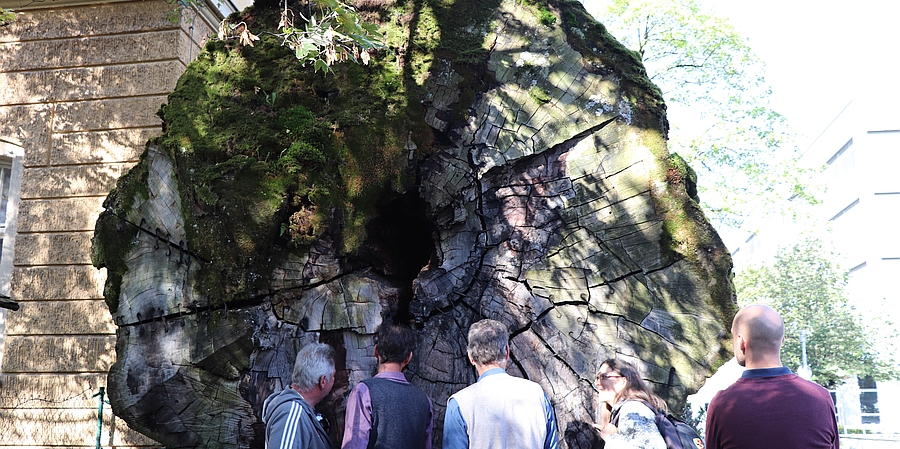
column 499, row 411
column 291, row 421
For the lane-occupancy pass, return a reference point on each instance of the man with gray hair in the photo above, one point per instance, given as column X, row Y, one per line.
column 291, row 421
column 499, row 411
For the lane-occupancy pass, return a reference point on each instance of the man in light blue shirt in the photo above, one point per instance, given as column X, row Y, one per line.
column 499, row 411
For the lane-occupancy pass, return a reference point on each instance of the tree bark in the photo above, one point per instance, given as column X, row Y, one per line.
column 548, row 201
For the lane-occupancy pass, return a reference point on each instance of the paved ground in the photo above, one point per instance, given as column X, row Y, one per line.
column 870, row 441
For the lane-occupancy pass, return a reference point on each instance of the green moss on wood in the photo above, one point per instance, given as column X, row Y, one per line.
column 539, row 95
column 546, row 17
column 679, row 172
column 271, row 156
column 604, row 55
column 306, row 154
column 113, row 234
column 686, row 231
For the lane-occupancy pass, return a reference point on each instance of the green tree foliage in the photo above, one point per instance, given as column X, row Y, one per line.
column 806, row 286
column 331, row 31
column 6, row 17
column 744, row 152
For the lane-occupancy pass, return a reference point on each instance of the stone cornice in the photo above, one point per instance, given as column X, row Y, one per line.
column 21, row 5
column 211, row 14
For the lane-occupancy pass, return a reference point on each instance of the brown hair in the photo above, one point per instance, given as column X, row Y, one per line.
column 635, row 386
column 395, row 343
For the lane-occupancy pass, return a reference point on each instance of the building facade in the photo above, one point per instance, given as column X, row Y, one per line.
column 860, row 153
column 80, row 84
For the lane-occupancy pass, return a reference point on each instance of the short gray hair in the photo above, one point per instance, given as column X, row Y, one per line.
column 488, row 340
column 313, row 361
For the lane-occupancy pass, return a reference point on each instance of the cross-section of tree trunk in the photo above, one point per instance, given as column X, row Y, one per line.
column 500, row 159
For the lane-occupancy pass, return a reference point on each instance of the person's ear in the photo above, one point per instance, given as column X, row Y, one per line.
column 323, row 381
column 378, row 359
column 408, row 359
column 469, row 355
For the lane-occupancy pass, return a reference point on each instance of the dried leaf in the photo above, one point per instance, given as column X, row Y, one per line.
column 287, row 19
column 223, row 30
column 247, row 37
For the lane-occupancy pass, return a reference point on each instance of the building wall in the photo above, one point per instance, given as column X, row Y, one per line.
column 79, row 90
column 860, row 153
column 861, row 150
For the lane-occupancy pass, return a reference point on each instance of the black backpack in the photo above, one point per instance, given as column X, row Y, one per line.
column 676, row 433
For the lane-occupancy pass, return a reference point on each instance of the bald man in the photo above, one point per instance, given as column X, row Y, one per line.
column 769, row 406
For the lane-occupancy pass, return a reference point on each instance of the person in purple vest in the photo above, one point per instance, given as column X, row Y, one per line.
column 499, row 411
column 769, row 406
column 386, row 411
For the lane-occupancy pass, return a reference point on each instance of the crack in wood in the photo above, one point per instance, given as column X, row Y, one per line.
column 181, row 246
column 194, row 308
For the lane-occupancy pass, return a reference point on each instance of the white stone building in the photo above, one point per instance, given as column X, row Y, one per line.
column 860, row 151
column 80, row 84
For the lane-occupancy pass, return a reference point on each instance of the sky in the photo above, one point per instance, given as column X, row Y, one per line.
column 819, row 55
column 819, row 58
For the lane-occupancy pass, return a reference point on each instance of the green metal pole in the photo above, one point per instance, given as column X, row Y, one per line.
column 100, row 416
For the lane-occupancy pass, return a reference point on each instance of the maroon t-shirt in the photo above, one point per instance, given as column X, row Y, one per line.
column 771, row 411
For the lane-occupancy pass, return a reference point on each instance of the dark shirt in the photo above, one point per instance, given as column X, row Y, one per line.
column 772, row 408
column 765, row 372
column 387, row 412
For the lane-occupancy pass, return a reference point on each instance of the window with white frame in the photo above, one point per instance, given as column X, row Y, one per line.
column 5, row 175
column 868, row 401
column 11, row 157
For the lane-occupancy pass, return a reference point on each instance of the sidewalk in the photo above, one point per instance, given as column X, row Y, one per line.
column 875, row 441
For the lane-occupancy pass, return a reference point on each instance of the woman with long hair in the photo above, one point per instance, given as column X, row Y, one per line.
column 630, row 404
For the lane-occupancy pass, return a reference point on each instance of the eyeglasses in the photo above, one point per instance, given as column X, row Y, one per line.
column 608, row 376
